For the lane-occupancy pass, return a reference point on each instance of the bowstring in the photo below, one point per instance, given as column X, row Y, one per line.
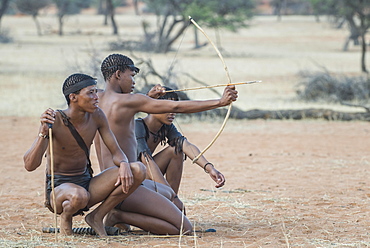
column 172, row 65
column 182, row 132
column 171, row 68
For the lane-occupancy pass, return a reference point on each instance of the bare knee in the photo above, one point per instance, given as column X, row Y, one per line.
column 138, row 170
column 78, row 198
column 187, row 228
column 175, row 154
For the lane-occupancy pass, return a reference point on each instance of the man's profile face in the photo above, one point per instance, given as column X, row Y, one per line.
column 128, row 80
column 88, row 98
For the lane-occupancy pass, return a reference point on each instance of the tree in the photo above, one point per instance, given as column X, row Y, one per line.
column 4, row 5
column 32, row 8
column 172, row 18
column 356, row 14
column 290, row 7
column 69, row 7
column 320, row 7
column 170, row 24
column 103, row 10
column 107, row 7
column 111, row 12
column 216, row 14
column 279, row 5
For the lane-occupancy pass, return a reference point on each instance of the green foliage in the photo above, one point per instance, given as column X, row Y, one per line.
column 71, row 6
column 164, row 7
column 322, row 7
column 230, row 14
column 172, row 18
column 31, row 7
column 341, row 8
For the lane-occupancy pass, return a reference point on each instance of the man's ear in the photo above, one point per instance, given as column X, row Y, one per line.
column 117, row 74
column 73, row 97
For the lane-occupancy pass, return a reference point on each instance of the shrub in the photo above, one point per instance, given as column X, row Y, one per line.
column 5, row 37
column 323, row 86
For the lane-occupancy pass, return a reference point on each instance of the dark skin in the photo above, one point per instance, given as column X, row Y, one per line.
column 109, row 187
column 120, row 106
column 166, row 166
column 166, row 158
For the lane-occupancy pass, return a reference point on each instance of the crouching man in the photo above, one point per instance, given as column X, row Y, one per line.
column 73, row 131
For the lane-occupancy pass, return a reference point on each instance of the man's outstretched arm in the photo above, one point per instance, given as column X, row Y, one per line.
column 146, row 104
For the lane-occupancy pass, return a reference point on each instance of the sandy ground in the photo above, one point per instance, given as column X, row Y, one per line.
column 296, row 183
column 289, row 183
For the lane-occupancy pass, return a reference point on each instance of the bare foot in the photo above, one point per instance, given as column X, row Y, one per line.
column 96, row 224
column 66, row 224
column 112, row 218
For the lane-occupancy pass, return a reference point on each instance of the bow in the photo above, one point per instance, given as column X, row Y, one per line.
column 228, row 83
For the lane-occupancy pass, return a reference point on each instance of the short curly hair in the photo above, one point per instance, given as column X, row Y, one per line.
column 115, row 62
column 169, row 95
column 73, row 80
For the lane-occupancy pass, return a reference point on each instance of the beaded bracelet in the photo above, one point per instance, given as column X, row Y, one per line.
column 43, row 136
column 204, row 167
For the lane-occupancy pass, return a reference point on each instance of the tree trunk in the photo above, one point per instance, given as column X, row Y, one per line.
column 104, row 11
column 101, row 7
column 218, row 39
column 278, row 12
column 3, row 7
column 354, row 33
column 285, row 7
column 136, row 6
column 346, row 44
column 196, row 40
column 110, row 8
column 105, row 22
column 38, row 27
column 60, row 19
column 363, row 53
column 169, row 42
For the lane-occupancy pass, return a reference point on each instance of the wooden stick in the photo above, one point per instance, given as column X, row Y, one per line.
column 52, row 179
column 213, row 86
column 150, row 171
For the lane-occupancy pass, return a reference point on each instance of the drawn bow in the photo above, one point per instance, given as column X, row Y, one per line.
column 228, row 83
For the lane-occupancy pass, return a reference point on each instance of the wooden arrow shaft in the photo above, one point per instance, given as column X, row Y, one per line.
column 213, row 86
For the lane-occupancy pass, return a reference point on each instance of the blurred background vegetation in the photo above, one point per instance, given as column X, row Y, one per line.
column 171, row 23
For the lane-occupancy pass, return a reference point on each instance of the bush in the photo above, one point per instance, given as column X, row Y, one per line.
column 5, row 37
column 323, row 86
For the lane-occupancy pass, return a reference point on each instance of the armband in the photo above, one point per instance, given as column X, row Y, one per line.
column 204, row 167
